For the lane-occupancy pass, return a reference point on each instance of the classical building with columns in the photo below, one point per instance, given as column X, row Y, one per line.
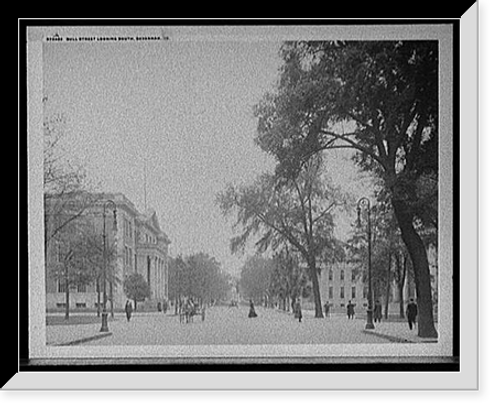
column 141, row 247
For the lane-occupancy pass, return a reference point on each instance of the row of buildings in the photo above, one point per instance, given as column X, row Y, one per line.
column 340, row 283
column 140, row 243
column 143, row 247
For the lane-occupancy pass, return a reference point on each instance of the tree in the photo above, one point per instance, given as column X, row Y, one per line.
column 378, row 99
column 136, row 288
column 401, row 276
column 176, row 280
column 89, row 256
column 67, row 194
column 197, row 276
column 287, row 280
column 73, row 263
column 204, row 277
column 256, row 277
column 298, row 212
column 79, row 257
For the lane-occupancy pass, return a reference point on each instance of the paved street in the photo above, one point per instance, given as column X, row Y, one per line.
column 226, row 326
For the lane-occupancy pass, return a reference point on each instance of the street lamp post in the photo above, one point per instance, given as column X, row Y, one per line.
column 104, row 326
column 369, row 313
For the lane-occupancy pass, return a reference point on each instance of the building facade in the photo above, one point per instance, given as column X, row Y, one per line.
column 340, row 283
column 141, row 247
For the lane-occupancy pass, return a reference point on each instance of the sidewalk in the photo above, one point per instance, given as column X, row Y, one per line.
column 79, row 328
column 62, row 335
column 394, row 330
column 398, row 332
column 74, row 334
column 85, row 327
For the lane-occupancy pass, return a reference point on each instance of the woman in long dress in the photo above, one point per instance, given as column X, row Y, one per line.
column 252, row 313
column 298, row 311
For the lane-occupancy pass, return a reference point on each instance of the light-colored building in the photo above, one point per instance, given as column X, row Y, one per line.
column 141, row 247
column 340, row 282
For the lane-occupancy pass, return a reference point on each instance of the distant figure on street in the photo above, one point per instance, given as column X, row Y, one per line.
column 128, row 310
column 252, row 313
column 411, row 313
column 350, row 310
column 327, row 309
column 298, row 311
column 165, row 306
column 377, row 311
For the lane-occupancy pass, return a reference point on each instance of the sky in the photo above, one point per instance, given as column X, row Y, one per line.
column 174, row 117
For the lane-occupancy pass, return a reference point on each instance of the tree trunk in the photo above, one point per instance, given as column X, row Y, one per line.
column 401, row 288
column 98, row 289
column 399, row 277
column 318, row 311
column 418, row 255
column 111, row 301
column 401, row 285
column 388, row 288
column 66, row 316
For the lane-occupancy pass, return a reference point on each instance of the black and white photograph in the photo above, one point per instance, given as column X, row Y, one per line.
column 249, row 196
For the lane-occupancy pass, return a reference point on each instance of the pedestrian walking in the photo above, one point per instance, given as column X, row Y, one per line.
column 128, row 310
column 377, row 311
column 350, row 310
column 252, row 313
column 327, row 309
column 411, row 313
column 298, row 311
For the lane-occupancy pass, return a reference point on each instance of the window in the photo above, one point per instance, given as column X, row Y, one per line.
column 61, row 305
column 353, row 276
column 330, row 275
column 365, row 292
column 330, row 292
column 342, row 274
column 353, row 292
column 81, row 288
column 341, row 292
column 61, row 286
column 81, row 305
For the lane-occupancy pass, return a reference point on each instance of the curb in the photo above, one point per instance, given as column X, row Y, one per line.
column 400, row 340
column 83, row 340
column 388, row 337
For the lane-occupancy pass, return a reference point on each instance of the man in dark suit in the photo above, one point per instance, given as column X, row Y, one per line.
column 411, row 313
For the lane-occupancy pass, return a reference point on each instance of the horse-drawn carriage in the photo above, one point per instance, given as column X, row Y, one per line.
column 189, row 311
